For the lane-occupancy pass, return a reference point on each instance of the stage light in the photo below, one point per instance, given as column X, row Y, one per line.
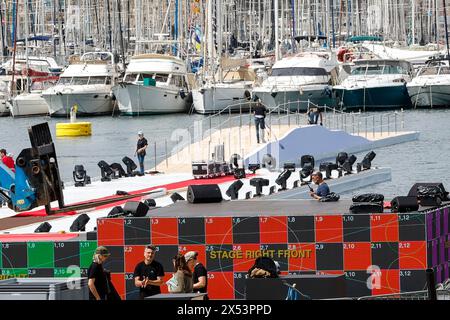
column 150, row 202
column 80, row 223
column 306, row 172
column 80, row 177
column 43, row 227
column 289, row 166
column 259, row 183
column 118, row 170
column 348, row 164
column 282, row 179
column 269, row 162
column 116, row 212
column 176, row 196
column 307, row 159
column 106, row 171
column 341, row 158
column 234, row 161
column 272, row 189
column 328, row 167
column 367, row 162
column 295, row 185
column 233, row 189
column 253, row 167
column 131, row 167
column 248, row 195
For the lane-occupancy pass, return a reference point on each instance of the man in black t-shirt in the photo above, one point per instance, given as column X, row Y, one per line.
column 140, row 150
column 199, row 272
column 97, row 283
column 260, row 114
column 148, row 274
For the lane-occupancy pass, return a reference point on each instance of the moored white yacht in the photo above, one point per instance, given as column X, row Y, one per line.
column 431, row 86
column 375, row 84
column 86, row 84
column 153, row 84
column 295, row 80
column 233, row 92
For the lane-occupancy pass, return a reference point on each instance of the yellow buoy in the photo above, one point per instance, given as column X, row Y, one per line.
column 75, row 129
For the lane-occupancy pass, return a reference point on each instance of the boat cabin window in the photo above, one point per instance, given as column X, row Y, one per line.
column 80, row 80
column 177, row 81
column 131, row 77
column 430, row 71
column 97, row 80
column 444, row 70
column 64, row 80
column 300, row 71
column 160, row 77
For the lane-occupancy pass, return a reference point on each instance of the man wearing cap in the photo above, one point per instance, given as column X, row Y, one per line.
column 322, row 190
column 98, row 282
column 199, row 272
column 140, row 150
column 148, row 274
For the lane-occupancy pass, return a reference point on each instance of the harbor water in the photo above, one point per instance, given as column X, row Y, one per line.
column 424, row 160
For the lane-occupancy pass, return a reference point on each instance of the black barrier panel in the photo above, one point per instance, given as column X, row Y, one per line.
column 215, row 260
column 41, row 273
column 66, row 254
column 385, row 255
column 356, row 283
column 191, row 230
column 137, row 231
column 301, row 229
column 115, row 262
column 239, row 285
column 411, row 227
column 132, row 292
column 356, row 228
column 413, row 280
column 246, row 230
column 164, row 255
column 329, row 256
column 14, row 255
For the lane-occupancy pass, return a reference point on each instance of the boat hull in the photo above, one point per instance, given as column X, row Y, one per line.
column 29, row 105
column 429, row 96
column 297, row 100
column 215, row 99
column 138, row 100
column 4, row 108
column 374, row 98
column 88, row 103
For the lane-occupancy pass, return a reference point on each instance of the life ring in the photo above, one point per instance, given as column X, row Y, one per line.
column 345, row 55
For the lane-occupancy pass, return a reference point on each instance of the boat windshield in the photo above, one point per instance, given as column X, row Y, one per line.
column 131, row 77
column 444, row 70
column 64, row 80
column 429, row 71
column 99, row 80
column 378, row 69
column 299, row 71
column 80, row 80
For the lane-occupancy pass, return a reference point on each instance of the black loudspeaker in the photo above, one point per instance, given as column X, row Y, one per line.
column 366, row 207
column 368, row 197
column 150, row 202
column 136, row 208
column 404, row 204
column 239, row 173
column 80, row 223
column 206, row 193
column 43, row 227
column 116, row 212
column 176, row 197
column 413, row 191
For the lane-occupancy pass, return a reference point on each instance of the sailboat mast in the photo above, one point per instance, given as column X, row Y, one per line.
column 446, row 30
column 26, row 48
column 277, row 46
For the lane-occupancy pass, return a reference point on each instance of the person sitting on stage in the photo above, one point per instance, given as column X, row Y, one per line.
column 322, row 190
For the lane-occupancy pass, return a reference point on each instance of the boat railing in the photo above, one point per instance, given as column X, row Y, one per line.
column 442, row 294
column 234, row 126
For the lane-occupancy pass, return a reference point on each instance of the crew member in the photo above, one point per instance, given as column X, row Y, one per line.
column 148, row 274
column 98, row 281
column 199, row 272
column 142, row 144
column 260, row 115
column 7, row 160
column 322, row 190
column 313, row 115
